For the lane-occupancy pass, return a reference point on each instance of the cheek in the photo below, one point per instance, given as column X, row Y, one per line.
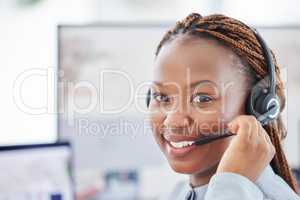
column 213, row 155
column 217, row 150
column 156, row 122
column 220, row 146
column 234, row 102
column 221, row 112
column 209, row 123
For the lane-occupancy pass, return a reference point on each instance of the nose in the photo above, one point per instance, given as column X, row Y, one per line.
column 177, row 119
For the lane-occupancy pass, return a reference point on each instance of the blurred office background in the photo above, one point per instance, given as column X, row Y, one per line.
column 40, row 38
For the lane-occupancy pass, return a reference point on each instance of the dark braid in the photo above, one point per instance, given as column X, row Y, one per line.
column 241, row 39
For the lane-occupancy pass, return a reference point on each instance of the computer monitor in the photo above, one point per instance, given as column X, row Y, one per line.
column 36, row 172
column 87, row 50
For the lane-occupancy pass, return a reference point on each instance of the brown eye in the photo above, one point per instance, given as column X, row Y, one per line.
column 159, row 97
column 201, row 98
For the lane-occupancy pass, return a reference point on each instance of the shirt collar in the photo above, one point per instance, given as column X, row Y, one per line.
column 199, row 191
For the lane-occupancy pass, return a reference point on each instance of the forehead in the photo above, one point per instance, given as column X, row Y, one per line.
column 196, row 59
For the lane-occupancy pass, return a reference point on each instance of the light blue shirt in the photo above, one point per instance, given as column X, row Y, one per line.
column 232, row 186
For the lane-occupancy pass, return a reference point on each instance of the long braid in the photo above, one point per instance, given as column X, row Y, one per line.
column 241, row 39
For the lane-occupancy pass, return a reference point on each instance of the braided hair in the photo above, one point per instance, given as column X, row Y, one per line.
column 240, row 38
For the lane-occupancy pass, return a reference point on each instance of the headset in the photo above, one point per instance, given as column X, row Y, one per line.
column 263, row 102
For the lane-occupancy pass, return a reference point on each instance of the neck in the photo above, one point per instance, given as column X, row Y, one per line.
column 202, row 178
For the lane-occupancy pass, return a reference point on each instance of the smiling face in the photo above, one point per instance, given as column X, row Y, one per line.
column 198, row 87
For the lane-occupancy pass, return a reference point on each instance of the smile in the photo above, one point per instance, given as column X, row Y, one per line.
column 182, row 144
column 178, row 145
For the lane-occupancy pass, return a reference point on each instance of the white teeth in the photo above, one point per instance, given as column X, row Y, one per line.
column 181, row 144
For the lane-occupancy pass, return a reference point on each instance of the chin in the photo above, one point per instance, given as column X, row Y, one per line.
column 183, row 170
column 186, row 168
column 193, row 168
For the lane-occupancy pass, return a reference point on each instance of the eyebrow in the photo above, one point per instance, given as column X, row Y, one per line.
column 192, row 85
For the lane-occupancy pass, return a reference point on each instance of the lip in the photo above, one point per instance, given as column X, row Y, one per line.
column 178, row 152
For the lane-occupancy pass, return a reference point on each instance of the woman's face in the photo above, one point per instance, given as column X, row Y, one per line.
column 197, row 89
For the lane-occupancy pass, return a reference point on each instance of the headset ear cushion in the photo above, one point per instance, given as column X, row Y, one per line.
column 261, row 102
column 253, row 101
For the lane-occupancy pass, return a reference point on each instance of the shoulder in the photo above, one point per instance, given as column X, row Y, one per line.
column 273, row 186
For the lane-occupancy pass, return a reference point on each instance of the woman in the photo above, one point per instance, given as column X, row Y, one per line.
column 205, row 68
